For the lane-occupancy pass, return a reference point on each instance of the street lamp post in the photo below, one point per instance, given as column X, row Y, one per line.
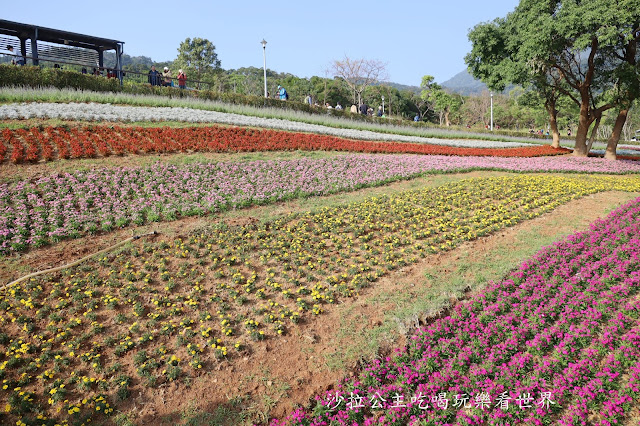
column 382, row 105
column 492, row 111
column 264, row 58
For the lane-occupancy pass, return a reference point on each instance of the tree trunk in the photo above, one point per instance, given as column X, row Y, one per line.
column 447, row 120
column 612, row 143
column 594, row 133
column 584, row 121
column 553, row 123
column 550, row 106
column 586, row 115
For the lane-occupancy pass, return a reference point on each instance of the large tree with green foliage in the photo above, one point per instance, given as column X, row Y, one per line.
column 557, row 47
column 198, row 58
column 495, row 59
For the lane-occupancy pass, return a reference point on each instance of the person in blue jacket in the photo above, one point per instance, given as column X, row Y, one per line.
column 282, row 93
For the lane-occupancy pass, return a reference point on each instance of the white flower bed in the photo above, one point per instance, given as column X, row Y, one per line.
column 108, row 112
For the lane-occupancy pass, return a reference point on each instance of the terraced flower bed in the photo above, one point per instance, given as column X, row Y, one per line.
column 97, row 112
column 53, row 143
column 75, row 344
column 40, row 211
column 557, row 342
column 45, row 210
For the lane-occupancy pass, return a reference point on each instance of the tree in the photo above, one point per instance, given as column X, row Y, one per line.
column 627, row 77
column 405, row 105
column 423, row 100
column 198, row 57
column 558, row 47
column 440, row 100
column 493, row 60
column 476, row 110
column 358, row 74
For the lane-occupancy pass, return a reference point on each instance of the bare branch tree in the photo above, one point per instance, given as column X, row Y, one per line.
column 358, row 74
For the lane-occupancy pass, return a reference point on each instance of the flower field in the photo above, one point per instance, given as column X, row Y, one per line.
column 40, row 211
column 96, row 112
column 198, row 317
column 76, row 344
column 557, row 342
column 53, row 143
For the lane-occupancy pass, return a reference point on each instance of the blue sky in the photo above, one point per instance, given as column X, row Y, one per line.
column 413, row 38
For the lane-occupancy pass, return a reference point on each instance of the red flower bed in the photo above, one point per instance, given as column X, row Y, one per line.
column 6, row 137
column 619, row 157
column 87, row 142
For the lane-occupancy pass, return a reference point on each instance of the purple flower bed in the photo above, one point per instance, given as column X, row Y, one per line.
column 34, row 213
column 557, row 342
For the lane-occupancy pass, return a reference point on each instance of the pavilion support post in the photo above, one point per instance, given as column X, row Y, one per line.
column 119, row 62
column 23, row 51
column 34, row 48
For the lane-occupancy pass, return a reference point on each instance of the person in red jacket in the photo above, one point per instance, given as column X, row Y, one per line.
column 182, row 79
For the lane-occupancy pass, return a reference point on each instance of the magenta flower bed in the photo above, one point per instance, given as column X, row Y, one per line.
column 34, row 213
column 557, row 342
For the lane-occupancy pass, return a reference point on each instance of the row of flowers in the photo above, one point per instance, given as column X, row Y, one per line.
column 39, row 211
column 119, row 113
column 51, row 143
column 558, row 342
column 161, row 311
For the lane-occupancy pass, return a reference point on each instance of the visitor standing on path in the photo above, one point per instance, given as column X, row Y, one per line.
column 154, row 76
column 182, row 79
column 282, row 93
column 167, row 77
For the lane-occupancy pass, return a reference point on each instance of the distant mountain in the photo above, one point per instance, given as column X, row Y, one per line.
column 131, row 61
column 464, row 84
column 414, row 89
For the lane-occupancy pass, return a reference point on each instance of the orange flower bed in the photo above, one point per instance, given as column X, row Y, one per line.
column 29, row 145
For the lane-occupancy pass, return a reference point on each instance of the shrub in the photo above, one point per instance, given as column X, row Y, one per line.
column 32, row 76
